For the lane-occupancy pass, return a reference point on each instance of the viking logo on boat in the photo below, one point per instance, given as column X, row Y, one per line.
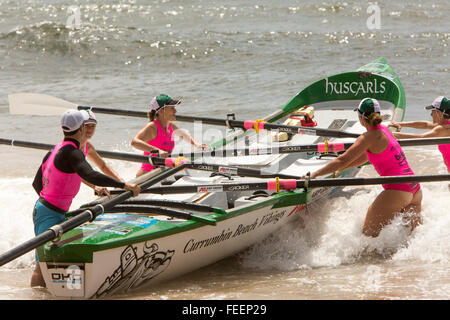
column 135, row 268
column 355, row 87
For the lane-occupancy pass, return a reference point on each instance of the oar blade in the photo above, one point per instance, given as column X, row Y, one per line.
column 38, row 104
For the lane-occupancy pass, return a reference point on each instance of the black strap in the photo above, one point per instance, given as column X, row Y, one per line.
column 51, row 206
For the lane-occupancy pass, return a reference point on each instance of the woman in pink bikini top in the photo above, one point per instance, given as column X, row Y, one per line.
column 440, row 127
column 378, row 146
column 157, row 137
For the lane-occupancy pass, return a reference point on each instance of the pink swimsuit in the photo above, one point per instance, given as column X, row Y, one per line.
column 164, row 140
column 392, row 162
column 59, row 188
column 445, row 150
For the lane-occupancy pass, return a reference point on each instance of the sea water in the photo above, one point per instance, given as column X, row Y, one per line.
column 220, row 57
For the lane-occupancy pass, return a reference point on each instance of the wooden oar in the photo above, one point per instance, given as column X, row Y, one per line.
column 277, row 185
column 41, row 104
column 88, row 215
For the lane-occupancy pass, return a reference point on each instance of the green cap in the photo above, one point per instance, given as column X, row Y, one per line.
column 163, row 100
column 368, row 105
column 441, row 104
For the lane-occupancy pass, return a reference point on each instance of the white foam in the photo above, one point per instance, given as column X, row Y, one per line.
column 330, row 234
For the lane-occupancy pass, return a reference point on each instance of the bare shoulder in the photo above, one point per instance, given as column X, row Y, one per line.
column 442, row 130
column 150, row 127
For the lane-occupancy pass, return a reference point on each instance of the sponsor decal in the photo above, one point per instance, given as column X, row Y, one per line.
column 238, row 188
column 210, row 189
column 205, row 167
column 293, row 148
column 355, row 87
column 227, row 170
column 70, row 276
column 272, row 217
column 306, row 131
column 64, row 278
column 117, row 223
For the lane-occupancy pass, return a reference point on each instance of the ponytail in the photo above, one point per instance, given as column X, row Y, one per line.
column 374, row 119
column 151, row 115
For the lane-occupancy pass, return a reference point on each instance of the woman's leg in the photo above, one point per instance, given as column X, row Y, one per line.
column 386, row 206
column 412, row 211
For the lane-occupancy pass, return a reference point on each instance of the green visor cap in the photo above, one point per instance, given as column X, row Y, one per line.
column 368, row 105
column 441, row 104
column 163, row 100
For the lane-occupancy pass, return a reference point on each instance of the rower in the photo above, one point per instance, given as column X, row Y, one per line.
column 379, row 146
column 58, row 179
column 91, row 153
column 440, row 127
column 156, row 138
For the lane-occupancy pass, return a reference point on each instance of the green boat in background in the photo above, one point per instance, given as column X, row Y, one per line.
column 137, row 245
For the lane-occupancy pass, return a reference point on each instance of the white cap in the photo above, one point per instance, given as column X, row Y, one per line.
column 92, row 118
column 72, row 120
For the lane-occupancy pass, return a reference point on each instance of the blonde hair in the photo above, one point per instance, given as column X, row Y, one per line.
column 373, row 119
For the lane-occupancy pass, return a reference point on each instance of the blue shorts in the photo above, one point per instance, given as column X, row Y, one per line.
column 44, row 218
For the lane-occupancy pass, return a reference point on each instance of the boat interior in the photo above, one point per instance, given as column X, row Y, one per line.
column 336, row 115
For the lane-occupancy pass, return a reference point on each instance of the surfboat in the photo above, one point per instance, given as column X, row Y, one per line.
column 125, row 250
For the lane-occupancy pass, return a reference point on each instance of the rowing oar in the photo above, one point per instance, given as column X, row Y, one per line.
column 163, row 211
column 149, row 210
column 41, row 104
column 167, row 162
column 88, row 215
column 106, row 154
column 277, row 185
column 320, row 147
column 45, row 105
column 156, row 202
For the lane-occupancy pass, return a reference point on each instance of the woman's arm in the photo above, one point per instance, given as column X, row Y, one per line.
column 423, row 125
column 186, row 136
column 147, row 133
column 100, row 162
column 437, row 131
column 349, row 159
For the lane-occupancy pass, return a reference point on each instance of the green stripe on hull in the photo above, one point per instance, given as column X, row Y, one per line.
column 110, row 230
